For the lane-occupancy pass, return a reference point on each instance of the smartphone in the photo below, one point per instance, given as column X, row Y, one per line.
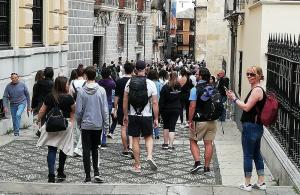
column 226, row 89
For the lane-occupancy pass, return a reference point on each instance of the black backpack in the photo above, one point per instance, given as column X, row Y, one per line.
column 55, row 120
column 138, row 94
column 208, row 106
column 75, row 90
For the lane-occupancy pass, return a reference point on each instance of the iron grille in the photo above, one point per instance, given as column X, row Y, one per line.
column 4, row 23
column 37, row 27
column 283, row 71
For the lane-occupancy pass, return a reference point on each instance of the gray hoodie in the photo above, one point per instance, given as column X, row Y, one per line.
column 91, row 107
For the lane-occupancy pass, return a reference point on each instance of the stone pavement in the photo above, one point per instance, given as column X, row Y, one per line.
column 23, row 169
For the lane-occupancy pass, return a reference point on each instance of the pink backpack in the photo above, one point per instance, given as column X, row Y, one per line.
column 269, row 112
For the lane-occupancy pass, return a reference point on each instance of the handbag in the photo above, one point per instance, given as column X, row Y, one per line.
column 55, row 120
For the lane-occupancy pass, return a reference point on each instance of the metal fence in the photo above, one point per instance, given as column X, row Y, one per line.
column 283, row 78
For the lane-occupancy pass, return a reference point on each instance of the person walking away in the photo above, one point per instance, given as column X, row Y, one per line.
column 108, row 84
column 186, row 85
column 114, row 119
column 200, row 127
column 118, row 111
column 60, row 140
column 40, row 90
column 39, row 76
column 252, row 128
column 75, row 85
column 92, row 117
column 17, row 95
column 153, row 76
column 169, row 104
column 222, row 82
column 139, row 91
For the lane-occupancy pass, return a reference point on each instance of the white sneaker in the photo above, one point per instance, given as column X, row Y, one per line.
column 258, row 186
column 111, row 136
column 246, row 188
column 182, row 125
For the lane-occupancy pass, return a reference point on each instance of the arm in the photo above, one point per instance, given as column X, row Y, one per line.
column 256, row 95
column 104, row 111
column 192, row 109
column 72, row 113
column 155, row 110
column 125, row 108
column 42, row 112
column 116, row 101
column 79, row 109
column 34, row 102
column 26, row 92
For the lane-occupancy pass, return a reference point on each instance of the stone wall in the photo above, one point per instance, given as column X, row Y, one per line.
column 81, row 26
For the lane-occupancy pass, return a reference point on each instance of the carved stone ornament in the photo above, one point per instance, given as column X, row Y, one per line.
column 102, row 18
column 140, row 20
column 123, row 17
column 241, row 19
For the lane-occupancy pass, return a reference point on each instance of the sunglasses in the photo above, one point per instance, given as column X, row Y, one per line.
column 251, row 74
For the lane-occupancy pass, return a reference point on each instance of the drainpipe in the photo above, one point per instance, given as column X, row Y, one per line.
column 127, row 39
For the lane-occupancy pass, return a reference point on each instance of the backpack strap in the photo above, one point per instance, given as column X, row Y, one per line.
column 74, row 87
column 257, row 118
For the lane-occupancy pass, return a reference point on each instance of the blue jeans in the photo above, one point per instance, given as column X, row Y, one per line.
column 251, row 138
column 16, row 113
column 223, row 99
column 51, row 160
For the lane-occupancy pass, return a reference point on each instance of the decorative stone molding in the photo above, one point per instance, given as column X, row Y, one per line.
column 102, row 18
column 122, row 18
column 140, row 20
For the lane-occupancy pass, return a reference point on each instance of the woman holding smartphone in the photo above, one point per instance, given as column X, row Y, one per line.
column 252, row 128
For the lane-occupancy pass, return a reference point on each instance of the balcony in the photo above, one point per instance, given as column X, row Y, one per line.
column 235, row 9
column 106, row 5
column 160, row 34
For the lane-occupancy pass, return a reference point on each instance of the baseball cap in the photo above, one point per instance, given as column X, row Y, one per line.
column 140, row 65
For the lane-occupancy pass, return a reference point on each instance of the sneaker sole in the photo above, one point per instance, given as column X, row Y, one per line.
column 152, row 165
column 193, row 171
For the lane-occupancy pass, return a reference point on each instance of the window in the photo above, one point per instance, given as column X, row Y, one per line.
column 179, row 24
column 139, row 34
column 37, row 27
column 179, row 39
column 121, row 37
column 4, row 23
column 192, row 25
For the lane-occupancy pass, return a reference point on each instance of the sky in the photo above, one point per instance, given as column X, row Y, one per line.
column 186, row 4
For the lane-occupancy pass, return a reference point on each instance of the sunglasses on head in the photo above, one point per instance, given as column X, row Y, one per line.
column 251, row 74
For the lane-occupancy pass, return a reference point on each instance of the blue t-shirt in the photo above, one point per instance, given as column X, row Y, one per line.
column 193, row 94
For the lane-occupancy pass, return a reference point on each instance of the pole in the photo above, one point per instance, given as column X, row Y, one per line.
column 145, row 41
column 127, row 39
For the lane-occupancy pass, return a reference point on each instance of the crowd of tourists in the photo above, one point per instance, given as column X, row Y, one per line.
column 76, row 116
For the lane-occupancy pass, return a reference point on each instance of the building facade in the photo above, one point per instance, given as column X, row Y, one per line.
column 81, row 32
column 33, row 35
column 185, row 33
column 122, row 31
column 211, row 36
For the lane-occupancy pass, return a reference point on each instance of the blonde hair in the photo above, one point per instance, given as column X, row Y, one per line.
column 173, row 79
column 258, row 71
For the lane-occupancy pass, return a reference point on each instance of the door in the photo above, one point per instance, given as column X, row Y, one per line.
column 98, row 50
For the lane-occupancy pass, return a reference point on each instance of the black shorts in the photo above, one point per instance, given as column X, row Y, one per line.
column 120, row 116
column 170, row 120
column 140, row 126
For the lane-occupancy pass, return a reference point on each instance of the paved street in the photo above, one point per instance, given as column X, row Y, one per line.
column 24, row 169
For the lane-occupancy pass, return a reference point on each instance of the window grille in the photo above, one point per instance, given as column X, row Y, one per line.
column 37, row 27
column 4, row 23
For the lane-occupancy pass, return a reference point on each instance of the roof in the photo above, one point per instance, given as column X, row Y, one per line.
column 188, row 13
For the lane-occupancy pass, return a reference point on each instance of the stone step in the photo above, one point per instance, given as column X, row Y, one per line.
column 141, row 189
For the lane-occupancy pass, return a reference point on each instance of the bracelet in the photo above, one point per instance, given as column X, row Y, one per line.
column 236, row 99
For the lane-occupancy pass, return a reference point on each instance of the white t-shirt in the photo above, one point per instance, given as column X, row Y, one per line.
column 151, row 88
column 78, row 83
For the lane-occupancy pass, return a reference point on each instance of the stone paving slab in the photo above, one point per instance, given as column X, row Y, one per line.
column 22, row 161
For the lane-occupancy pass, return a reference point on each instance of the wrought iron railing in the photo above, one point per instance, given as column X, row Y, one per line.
column 160, row 34
column 283, row 78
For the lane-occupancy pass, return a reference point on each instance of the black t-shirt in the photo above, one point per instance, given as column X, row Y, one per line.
column 120, row 87
column 65, row 103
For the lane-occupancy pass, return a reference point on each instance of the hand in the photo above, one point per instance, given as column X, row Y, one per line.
column 115, row 114
column 125, row 120
column 192, row 126
column 230, row 94
column 5, row 109
column 155, row 123
column 29, row 109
